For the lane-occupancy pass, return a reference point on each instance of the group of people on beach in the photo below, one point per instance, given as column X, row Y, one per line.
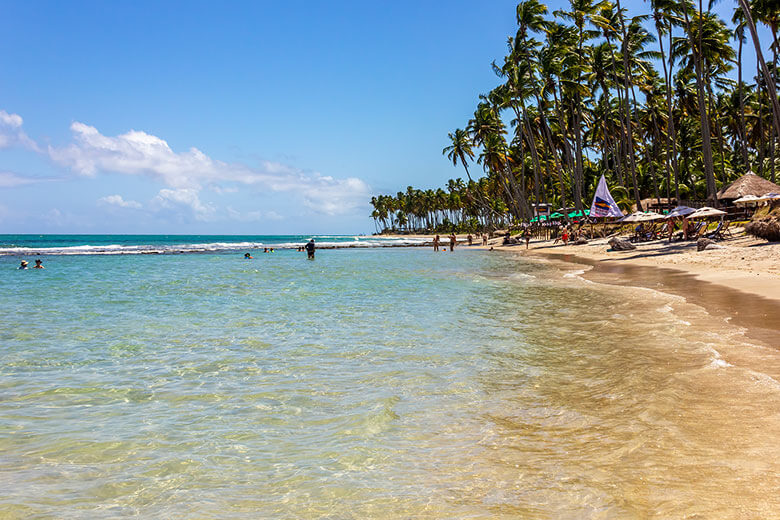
column 568, row 234
column 38, row 264
column 437, row 240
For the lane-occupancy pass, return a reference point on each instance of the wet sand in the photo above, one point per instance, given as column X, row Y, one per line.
column 760, row 316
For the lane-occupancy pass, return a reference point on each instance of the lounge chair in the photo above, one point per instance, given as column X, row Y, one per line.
column 721, row 232
column 695, row 233
column 715, row 233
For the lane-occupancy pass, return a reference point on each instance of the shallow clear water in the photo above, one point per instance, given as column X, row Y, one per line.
column 373, row 384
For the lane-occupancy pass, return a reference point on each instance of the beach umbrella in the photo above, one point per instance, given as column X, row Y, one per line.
column 747, row 199
column 633, row 217
column 539, row 218
column 576, row 214
column 556, row 215
column 767, row 197
column 680, row 211
column 641, row 216
column 706, row 211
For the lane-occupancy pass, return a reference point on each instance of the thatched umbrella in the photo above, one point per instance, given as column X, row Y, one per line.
column 750, row 184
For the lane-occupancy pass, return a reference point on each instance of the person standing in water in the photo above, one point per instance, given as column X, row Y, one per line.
column 23, row 265
column 436, row 243
column 452, row 241
column 38, row 264
column 310, row 249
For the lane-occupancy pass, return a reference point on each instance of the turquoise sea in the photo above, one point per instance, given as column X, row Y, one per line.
column 369, row 383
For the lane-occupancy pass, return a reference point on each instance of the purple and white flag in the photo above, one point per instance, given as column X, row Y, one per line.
column 603, row 204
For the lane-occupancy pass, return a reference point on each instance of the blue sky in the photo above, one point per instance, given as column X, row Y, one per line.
column 233, row 117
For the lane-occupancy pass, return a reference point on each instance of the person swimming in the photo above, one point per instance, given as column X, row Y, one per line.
column 265, row 250
column 38, row 264
column 23, row 265
column 246, row 255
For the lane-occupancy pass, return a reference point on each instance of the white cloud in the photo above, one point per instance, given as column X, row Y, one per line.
column 252, row 216
column 12, row 120
column 117, row 200
column 139, row 153
column 187, row 198
column 12, row 180
column 11, row 133
column 184, row 174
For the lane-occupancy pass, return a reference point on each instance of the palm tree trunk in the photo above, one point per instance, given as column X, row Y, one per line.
column 706, row 134
column 671, row 134
column 630, row 133
column 743, row 126
column 762, row 65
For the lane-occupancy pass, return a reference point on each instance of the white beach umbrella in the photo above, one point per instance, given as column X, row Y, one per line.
column 747, row 199
column 706, row 211
column 641, row 216
column 633, row 217
column 680, row 211
column 767, row 197
column 651, row 215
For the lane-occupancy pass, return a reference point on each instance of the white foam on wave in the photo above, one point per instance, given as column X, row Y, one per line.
column 135, row 249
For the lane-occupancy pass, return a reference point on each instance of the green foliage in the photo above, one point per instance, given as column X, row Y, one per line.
column 589, row 91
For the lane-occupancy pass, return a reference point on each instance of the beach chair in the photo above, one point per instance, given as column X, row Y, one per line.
column 694, row 234
column 715, row 233
column 723, row 231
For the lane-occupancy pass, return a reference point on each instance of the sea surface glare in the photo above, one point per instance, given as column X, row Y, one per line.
column 372, row 383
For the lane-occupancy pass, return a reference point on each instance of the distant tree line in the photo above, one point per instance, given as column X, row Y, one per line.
column 645, row 100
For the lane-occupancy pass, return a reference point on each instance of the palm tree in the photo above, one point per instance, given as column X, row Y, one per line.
column 460, row 149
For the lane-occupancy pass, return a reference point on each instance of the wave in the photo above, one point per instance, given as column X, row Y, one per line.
column 210, row 247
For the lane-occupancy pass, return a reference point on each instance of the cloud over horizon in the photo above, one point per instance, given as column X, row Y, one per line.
column 183, row 175
column 138, row 153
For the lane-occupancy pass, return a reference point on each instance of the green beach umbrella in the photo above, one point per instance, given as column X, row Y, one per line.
column 539, row 218
column 556, row 215
column 575, row 214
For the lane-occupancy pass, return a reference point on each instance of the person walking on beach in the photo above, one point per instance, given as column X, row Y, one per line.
column 452, row 241
column 484, row 239
column 436, row 243
column 670, row 228
column 310, row 249
column 470, row 238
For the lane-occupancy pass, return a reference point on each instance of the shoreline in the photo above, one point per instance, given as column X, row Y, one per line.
column 739, row 282
column 741, row 263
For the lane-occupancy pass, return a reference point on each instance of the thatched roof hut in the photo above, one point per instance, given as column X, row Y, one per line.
column 750, row 184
